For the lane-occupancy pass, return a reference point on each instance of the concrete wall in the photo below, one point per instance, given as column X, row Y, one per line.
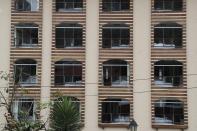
column 5, row 10
column 142, row 19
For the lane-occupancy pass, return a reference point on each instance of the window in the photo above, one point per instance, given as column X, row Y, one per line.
column 25, row 72
column 24, row 109
column 168, row 35
column 68, row 73
column 69, row 5
column 168, row 73
column 116, row 5
column 27, row 5
column 116, row 36
column 115, row 73
column 26, row 35
column 115, row 111
column 169, row 112
column 169, row 5
column 69, row 35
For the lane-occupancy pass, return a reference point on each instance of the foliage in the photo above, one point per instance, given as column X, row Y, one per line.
column 65, row 115
column 24, row 124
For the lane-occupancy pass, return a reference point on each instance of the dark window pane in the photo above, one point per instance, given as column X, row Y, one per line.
column 59, row 43
column 178, row 5
column 59, row 33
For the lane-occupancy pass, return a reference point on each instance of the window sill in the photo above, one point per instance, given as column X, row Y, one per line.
column 114, row 125
column 28, row 85
column 167, row 126
column 167, row 11
column 20, row 11
column 70, row 11
column 120, row 11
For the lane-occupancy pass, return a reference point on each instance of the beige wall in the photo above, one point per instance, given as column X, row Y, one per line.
column 142, row 49
column 192, row 62
column 142, row 19
column 5, row 10
column 46, row 57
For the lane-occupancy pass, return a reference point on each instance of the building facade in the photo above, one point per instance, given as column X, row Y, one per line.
column 120, row 59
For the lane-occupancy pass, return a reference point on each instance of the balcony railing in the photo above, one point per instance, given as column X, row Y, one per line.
column 115, row 117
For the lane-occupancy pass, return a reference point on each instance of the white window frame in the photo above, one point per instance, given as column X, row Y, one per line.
column 25, row 45
column 15, row 107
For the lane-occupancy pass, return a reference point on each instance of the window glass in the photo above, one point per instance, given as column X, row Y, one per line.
column 70, row 74
column 169, row 112
column 171, row 5
column 115, row 5
column 115, row 111
column 69, row 5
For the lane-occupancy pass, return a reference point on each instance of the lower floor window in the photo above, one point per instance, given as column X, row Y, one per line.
column 169, row 112
column 115, row 111
column 24, row 109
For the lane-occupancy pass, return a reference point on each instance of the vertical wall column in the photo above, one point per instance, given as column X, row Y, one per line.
column 5, row 31
column 192, row 63
column 92, row 49
column 142, row 69
column 46, row 57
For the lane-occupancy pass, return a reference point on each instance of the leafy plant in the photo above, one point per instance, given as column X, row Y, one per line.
column 65, row 115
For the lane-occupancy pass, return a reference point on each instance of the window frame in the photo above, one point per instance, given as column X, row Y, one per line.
column 19, row 79
column 164, row 120
column 163, row 31
column 112, row 84
column 30, row 45
column 73, row 37
column 26, row 10
column 120, row 44
column 63, row 75
column 168, row 81
column 18, row 102
column 115, row 102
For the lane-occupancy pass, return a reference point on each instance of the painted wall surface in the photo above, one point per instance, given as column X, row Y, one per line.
column 141, row 69
column 46, row 57
column 192, row 62
column 5, row 13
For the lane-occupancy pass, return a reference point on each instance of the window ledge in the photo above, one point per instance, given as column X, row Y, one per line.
column 167, row 126
column 114, row 125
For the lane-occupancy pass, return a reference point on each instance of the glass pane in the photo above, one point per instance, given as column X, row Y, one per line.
column 59, row 43
column 125, row 5
column 59, row 80
column 106, row 43
column 59, row 6
column 27, row 36
column 106, row 6
column 35, row 5
column 178, row 5
column 27, row 5
column 158, row 4
column 18, row 37
column 168, row 4
column 116, row 6
column 158, row 36
column 116, row 75
column 69, row 33
column 107, row 75
column 59, row 33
